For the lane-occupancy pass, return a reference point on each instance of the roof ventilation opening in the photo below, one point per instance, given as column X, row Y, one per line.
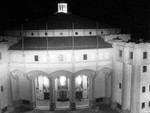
column 62, row 7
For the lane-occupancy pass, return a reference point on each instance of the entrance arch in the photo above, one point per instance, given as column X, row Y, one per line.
column 40, row 89
column 61, row 86
column 84, row 87
column 42, row 95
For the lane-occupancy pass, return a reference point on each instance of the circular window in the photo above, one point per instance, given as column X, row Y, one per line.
column 46, row 33
column 90, row 33
column 61, row 33
column 32, row 34
column 76, row 33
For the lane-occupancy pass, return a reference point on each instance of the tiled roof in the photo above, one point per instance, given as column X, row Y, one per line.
column 59, row 43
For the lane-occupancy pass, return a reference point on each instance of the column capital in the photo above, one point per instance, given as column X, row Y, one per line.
column 27, row 77
column 14, row 76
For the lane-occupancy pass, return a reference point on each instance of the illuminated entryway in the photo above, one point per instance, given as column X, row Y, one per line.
column 82, row 91
column 42, row 92
column 62, row 87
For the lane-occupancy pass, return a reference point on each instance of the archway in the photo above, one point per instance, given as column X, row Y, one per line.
column 84, row 88
column 40, row 89
column 42, row 95
column 61, row 82
column 62, row 86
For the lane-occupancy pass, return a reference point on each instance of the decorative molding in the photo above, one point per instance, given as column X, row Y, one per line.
column 14, row 76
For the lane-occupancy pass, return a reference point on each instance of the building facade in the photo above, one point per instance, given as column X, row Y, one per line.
column 66, row 61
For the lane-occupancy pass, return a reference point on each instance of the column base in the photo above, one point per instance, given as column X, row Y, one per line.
column 52, row 106
column 32, row 105
column 113, row 105
column 107, row 100
column 17, row 103
column 10, row 108
column 125, row 111
column 72, row 105
column 92, row 103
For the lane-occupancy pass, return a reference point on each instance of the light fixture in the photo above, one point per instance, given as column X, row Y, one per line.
column 46, row 81
column 79, row 80
column 62, row 80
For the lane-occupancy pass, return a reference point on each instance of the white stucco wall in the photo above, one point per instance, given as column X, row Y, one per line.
column 4, row 82
column 118, row 74
column 100, row 85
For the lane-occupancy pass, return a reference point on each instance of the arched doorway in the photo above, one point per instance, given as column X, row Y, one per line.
column 82, row 90
column 62, row 86
column 42, row 95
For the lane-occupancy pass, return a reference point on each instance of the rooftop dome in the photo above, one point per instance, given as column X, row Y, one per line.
column 60, row 21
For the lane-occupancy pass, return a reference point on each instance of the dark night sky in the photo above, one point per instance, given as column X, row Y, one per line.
column 128, row 14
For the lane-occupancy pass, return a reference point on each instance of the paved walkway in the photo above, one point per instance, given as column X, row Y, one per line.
column 102, row 109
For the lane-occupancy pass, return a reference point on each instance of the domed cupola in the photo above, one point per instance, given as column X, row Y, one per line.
column 62, row 6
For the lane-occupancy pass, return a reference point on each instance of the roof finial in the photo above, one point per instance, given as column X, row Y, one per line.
column 62, row 6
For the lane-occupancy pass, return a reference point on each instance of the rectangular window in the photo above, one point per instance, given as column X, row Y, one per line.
column 143, row 89
column 149, row 103
column 120, row 53
column 36, row 58
column 85, row 57
column 144, row 55
column 120, row 85
column 131, row 55
column 144, row 68
column 143, row 105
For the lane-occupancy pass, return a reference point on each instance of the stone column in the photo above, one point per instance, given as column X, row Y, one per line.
column 107, row 87
column 11, row 104
column 93, row 92
column 32, row 93
column 125, row 90
column 135, row 89
column 72, row 93
column 113, row 89
column 52, row 94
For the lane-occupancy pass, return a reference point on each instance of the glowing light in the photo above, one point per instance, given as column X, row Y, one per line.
column 62, row 80
column 79, row 80
column 46, row 81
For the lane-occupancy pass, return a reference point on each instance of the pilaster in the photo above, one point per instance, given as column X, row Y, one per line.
column 11, row 104
column 125, row 90
column 113, row 89
column 135, row 89
column 107, row 98
column 52, row 94
column 72, row 94
column 93, row 91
